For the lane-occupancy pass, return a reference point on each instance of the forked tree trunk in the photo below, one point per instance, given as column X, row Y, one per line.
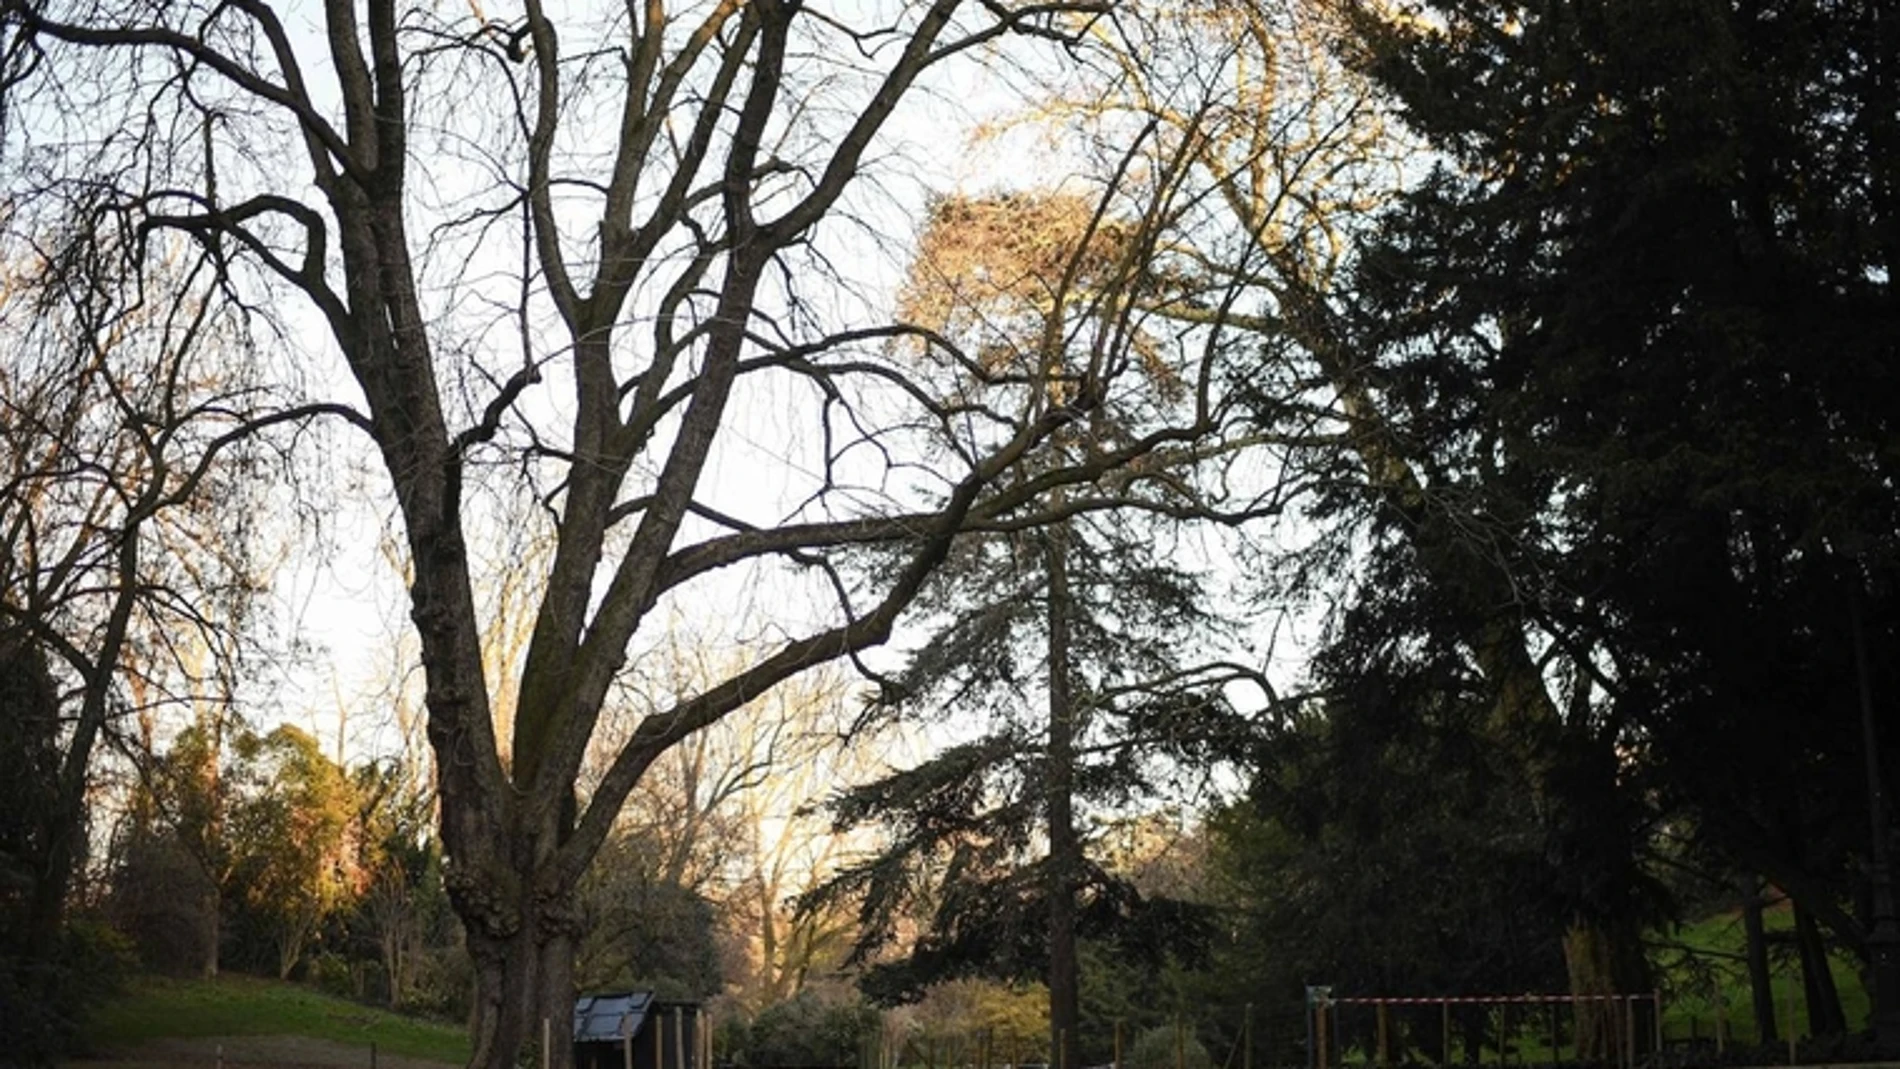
column 1603, row 948
column 292, row 933
column 524, row 994
column 394, row 966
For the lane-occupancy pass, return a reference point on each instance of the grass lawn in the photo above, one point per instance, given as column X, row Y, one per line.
column 1703, row 970
column 1721, row 978
column 160, row 1007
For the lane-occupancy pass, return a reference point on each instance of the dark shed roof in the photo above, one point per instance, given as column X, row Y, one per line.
column 600, row 1018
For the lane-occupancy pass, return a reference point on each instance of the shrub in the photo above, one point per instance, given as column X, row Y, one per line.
column 1167, row 1048
column 442, row 984
column 47, row 1004
column 332, row 975
column 807, row 1031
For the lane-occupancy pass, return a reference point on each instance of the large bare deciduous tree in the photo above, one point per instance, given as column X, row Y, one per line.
column 577, row 263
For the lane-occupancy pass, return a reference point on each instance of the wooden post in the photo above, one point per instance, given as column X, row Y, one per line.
column 626, row 1042
column 1383, row 1059
column 1791, row 1041
column 1444, row 1034
column 1118, row 1046
column 1721, row 1022
column 658, row 1023
column 1180, row 1044
column 1655, row 1005
column 547, row 1042
column 1319, row 1015
column 679, row 1037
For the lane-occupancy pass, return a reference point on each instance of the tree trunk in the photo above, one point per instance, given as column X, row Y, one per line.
column 54, row 800
column 1587, row 959
column 291, row 934
column 1603, row 949
column 1064, row 847
column 1882, row 923
column 1825, row 1016
column 1472, row 1025
column 213, row 905
column 521, row 981
column 393, row 941
column 1760, row 986
column 47, row 909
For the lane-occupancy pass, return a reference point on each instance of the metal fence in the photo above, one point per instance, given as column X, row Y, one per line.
column 1620, row 1031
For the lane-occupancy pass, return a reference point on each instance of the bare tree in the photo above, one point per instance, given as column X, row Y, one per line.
column 805, row 740
column 126, row 426
column 572, row 269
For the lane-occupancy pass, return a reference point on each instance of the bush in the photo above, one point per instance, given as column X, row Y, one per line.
column 47, row 1004
column 808, row 1031
column 163, row 902
column 332, row 975
column 443, row 984
column 1167, row 1048
column 101, row 959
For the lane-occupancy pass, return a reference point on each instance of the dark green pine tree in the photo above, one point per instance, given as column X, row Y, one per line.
column 1386, row 846
column 1063, row 648
column 1066, row 654
column 1640, row 320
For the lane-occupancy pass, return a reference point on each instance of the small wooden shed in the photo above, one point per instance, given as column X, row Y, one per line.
column 635, row 1030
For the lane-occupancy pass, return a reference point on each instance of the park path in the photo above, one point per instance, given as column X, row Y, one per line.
column 249, row 1052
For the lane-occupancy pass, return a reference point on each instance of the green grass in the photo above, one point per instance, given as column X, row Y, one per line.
column 1719, row 977
column 159, row 1008
column 1705, row 969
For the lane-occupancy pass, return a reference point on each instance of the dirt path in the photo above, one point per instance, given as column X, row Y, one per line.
column 250, row 1052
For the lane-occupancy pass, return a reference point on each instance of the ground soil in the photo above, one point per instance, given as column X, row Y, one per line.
column 249, row 1052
